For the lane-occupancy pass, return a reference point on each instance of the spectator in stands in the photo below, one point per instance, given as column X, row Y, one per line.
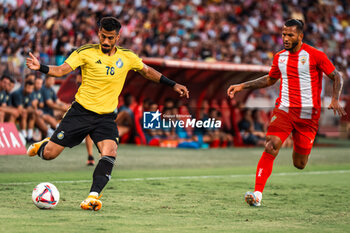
column 4, row 82
column 169, row 131
column 21, row 99
column 2, row 113
column 217, row 136
column 2, row 99
column 246, row 127
column 203, row 111
column 146, row 103
column 172, row 29
column 233, row 31
column 202, row 137
column 169, row 103
column 37, row 95
column 9, row 113
column 259, row 128
column 12, row 85
column 345, row 120
column 51, row 102
column 45, row 122
column 125, row 118
column 30, row 77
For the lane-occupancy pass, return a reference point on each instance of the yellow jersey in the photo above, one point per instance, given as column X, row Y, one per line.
column 103, row 76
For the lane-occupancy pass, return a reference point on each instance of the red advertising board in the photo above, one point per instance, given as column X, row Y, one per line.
column 10, row 142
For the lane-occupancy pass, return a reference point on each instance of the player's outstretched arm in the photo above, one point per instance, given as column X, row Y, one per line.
column 57, row 71
column 337, row 88
column 155, row 76
column 261, row 82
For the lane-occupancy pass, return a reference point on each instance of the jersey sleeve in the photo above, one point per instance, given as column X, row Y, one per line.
column 275, row 71
column 324, row 64
column 136, row 63
column 74, row 60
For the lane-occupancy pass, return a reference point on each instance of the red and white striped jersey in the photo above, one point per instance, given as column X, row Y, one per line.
column 301, row 80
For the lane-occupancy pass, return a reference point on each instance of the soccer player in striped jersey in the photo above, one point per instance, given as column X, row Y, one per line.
column 104, row 67
column 300, row 68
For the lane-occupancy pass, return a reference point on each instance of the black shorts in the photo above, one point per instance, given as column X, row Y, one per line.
column 79, row 122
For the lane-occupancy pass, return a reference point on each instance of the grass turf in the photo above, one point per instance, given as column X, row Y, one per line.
column 180, row 191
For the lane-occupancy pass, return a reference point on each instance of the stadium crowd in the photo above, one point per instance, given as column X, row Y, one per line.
column 235, row 31
column 239, row 31
column 34, row 104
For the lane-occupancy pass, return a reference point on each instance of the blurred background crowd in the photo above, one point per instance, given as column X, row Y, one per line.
column 237, row 31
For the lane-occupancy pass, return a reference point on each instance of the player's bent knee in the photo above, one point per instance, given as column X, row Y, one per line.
column 271, row 147
column 300, row 165
column 110, row 152
column 108, row 147
column 51, row 152
column 268, row 147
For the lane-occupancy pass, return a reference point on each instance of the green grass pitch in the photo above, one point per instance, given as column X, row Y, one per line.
column 172, row 190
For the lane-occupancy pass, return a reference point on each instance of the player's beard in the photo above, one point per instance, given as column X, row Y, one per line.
column 294, row 44
column 104, row 50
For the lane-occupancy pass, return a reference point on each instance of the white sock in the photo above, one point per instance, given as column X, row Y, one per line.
column 24, row 133
column 23, row 140
column 30, row 133
column 93, row 194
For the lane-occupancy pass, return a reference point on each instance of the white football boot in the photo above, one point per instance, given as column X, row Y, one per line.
column 253, row 199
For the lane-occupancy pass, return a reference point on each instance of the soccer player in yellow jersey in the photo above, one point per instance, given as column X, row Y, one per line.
column 104, row 68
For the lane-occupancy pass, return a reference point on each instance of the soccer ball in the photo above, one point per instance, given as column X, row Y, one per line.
column 45, row 196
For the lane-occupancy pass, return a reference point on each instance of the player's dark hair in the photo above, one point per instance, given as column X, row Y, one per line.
column 27, row 75
column 128, row 99
column 5, row 77
column 167, row 109
column 212, row 110
column 168, row 99
column 110, row 24
column 12, row 80
column 295, row 22
column 28, row 82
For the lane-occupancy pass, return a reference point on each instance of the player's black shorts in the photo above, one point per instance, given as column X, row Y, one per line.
column 78, row 122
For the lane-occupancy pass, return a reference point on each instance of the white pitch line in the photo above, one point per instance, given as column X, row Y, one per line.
column 193, row 177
